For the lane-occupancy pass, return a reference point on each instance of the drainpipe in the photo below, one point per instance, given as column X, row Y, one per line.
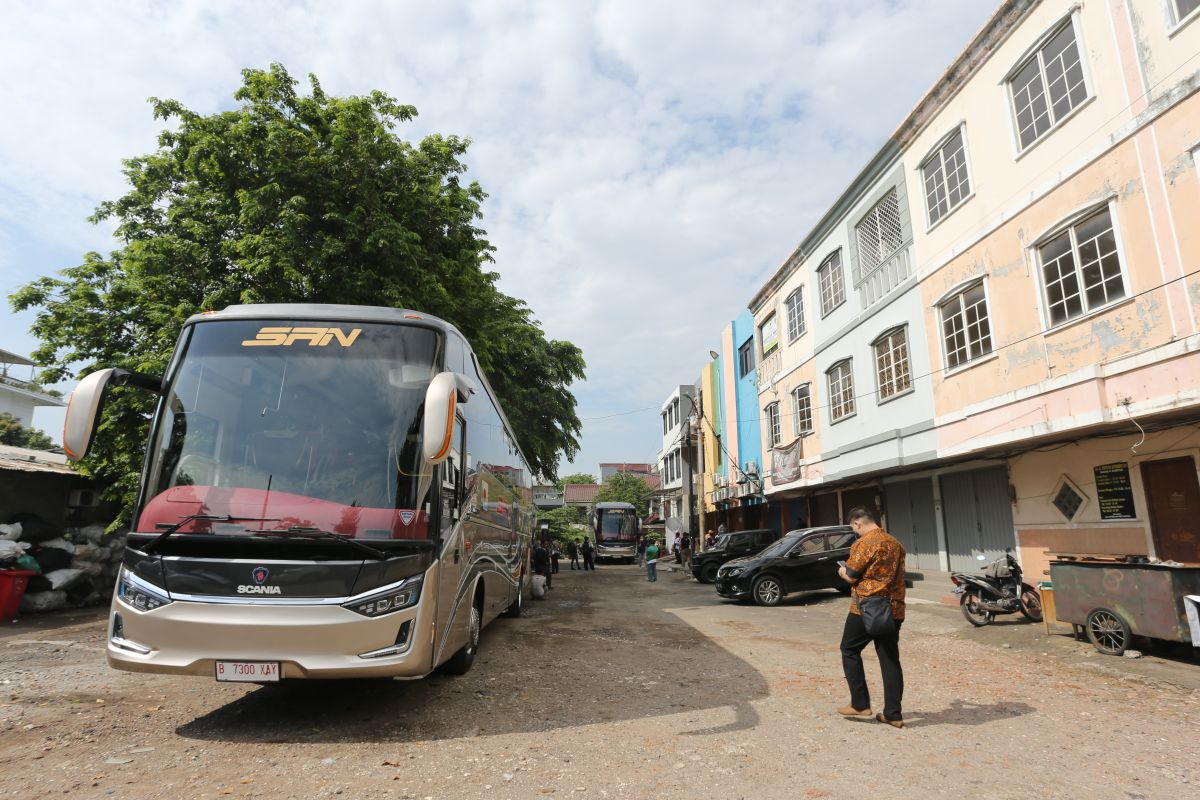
column 940, row 524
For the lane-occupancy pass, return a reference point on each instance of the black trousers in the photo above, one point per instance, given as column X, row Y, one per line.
column 854, row 639
column 575, row 562
column 554, row 565
column 589, row 561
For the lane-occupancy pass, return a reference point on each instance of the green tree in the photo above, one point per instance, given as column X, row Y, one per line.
column 13, row 433
column 625, row 487
column 576, row 477
column 562, row 520
column 304, row 199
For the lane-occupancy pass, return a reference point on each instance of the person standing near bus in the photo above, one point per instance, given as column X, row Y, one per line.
column 573, row 553
column 541, row 562
column 589, row 555
column 652, row 553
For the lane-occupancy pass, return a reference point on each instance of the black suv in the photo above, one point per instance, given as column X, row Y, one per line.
column 804, row 559
column 728, row 547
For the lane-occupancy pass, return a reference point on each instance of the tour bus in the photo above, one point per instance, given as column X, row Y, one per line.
column 328, row 492
column 615, row 528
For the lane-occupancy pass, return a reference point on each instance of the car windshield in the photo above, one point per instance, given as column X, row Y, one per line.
column 294, row 425
column 780, row 547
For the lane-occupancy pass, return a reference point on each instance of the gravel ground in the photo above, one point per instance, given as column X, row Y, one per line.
column 614, row 687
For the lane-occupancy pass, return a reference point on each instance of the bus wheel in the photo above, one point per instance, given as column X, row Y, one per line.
column 518, row 605
column 461, row 661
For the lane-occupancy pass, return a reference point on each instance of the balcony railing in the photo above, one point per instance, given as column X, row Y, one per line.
column 769, row 368
column 887, row 276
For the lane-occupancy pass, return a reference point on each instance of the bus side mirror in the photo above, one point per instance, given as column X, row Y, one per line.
column 87, row 402
column 445, row 392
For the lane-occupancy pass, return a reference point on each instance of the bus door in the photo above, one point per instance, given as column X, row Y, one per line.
column 457, row 498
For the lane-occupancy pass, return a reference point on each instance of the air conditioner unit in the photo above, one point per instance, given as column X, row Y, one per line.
column 751, row 467
column 718, row 480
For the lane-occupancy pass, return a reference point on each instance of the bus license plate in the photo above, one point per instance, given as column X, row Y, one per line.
column 248, row 671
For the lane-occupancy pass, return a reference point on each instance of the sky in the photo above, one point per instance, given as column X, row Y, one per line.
column 649, row 164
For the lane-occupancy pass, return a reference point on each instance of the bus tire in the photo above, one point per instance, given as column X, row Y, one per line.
column 517, row 606
column 461, row 661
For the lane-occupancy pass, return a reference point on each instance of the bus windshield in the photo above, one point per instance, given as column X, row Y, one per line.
column 281, row 424
column 616, row 526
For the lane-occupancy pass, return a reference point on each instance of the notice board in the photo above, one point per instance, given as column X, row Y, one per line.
column 1114, row 492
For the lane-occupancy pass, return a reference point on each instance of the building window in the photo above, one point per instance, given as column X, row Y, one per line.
column 768, row 333
column 1081, row 269
column 841, row 391
column 891, row 363
column 946, row 180
column 746, row 358
column 795, row 313
column 879, row 234
column 1068, row 499
column 774, row 434
column 1184, row 8
column 829, row 281
column 1048, row 86
column 802, row 419
column 966, row 332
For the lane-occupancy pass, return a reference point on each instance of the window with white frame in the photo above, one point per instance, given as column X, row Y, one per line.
column 829, row 282
column 1184, row 8
column 1081, row 269
column 879, row 233
column 773, row 432
column 966, row 330
column 891, row 363
column 841, row 390
column 802, row 413
column 1047, row 86
column 796, row 325
column 946, row 181
column 768, row 334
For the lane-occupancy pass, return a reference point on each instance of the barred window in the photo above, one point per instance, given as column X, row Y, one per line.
column 966, row 331
column 879, row 234
column 1048, row 86
column 796, row 325
column 1081, row 268
column 891, row 363
column 768, row 333
column 841, row 390
column 802, row 417
column 829, row 281
column 774, row 434
column 946, row 181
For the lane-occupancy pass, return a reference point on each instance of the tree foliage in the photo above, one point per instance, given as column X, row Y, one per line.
column 625, row 487
column 576, row 477
column 302, row 199
column 13, row 433
column 561, row 522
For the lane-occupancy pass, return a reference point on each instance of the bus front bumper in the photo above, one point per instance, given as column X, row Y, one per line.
column 307, row 641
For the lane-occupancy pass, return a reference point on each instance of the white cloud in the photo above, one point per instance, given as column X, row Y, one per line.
column 649, row 164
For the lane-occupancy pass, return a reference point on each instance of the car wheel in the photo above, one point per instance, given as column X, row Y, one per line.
column 518, row 605
column 767, row 591
column 708, row 573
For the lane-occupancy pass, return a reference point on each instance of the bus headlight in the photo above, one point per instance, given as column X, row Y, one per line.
column 138, row 593
column 394, row 598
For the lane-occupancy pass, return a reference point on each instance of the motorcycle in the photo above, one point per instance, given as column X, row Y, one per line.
column 999, row 590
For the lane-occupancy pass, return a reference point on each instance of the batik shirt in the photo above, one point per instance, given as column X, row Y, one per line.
column 877, row 560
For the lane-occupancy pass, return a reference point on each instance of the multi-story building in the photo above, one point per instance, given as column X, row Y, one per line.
column 992, row 334
column 674, row 468
column 20, row 396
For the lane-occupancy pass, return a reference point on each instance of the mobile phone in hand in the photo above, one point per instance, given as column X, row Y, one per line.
column 842, row 564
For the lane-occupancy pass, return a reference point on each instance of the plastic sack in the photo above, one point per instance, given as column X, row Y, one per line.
column 11, row 549
column 44, row 601
column 51, row 558
column 89, row 552
column 60, row 544
column 64, row 578
column 35, row 529
column 10, row 532
column 88, row 567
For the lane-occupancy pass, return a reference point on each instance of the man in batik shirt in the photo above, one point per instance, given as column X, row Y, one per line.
column 875, row 567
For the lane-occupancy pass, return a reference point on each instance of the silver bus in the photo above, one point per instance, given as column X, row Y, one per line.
column 328, row 491
column 615, row 528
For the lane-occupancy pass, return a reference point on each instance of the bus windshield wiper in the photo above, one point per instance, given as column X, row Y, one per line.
column 154, row 543
column 317, row 533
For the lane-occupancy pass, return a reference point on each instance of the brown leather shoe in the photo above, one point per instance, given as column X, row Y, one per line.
column 895, row 723
column 851, row 711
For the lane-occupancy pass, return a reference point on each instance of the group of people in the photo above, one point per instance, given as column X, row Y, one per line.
column 546, row 555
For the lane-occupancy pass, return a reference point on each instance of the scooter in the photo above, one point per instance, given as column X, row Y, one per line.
column 998, row 590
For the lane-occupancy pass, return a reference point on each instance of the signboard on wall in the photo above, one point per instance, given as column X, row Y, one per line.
column 1114, row 492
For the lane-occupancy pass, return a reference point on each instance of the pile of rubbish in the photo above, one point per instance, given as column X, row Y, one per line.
column 75, row 567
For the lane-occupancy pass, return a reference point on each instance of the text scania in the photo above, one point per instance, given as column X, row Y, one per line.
column 316, row 337
column 244, row 589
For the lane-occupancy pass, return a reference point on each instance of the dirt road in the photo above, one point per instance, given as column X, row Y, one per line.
column 614, row 687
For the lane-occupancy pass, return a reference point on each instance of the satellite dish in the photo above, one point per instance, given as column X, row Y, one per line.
column 673, row 525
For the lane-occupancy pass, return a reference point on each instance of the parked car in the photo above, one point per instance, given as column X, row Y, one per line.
column 728, row 547
column 802, row 560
